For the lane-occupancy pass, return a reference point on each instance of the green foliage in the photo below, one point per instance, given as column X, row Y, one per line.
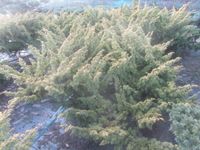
column 170, row 25
column 20, row 30
column 186, row 125
column 2, row 79
column 17, row 31
column 113, row 76
column 149, row 144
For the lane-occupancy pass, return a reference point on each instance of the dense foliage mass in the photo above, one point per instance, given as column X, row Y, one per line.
column 185, row 124
column 111, row 70
column 21, row 30
column 18, row 31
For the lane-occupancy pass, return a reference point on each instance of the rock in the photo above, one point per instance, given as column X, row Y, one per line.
column 198, row 40
column 49, row 133
column 22, row 109
column 17, row 122
column 67, row 145
column 4, row 57
column 44, row 100
column 61, row 131
column 35, row 113
column 36, row 105
column 23, row 53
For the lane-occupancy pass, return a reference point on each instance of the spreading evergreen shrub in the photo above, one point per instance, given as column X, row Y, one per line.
column 113, row 76
column 17, row 31
column 167, row 25
column 164, row 25
column 20, row 30
column 186, row 125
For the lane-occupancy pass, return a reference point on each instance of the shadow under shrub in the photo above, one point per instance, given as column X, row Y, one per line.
column 3, row 82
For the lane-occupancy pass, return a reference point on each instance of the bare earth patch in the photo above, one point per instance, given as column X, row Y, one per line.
column 190, row 73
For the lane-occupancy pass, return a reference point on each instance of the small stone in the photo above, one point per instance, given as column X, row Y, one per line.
column 61, row 131
column 23, row 53
column 37, row 105
column 43, row 147
column 44, row 100
column 4, row 57
column 67, row 145
column 35, row 113
column 22, row 109
column 61, row 120
column 17, row 122
column 198, row 40
column 184, row 75
column 49, row 133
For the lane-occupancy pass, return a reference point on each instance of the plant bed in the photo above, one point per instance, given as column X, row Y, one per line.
column 111, row 71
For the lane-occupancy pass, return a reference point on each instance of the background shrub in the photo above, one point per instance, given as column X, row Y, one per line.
column 164, row 25
column 185, row 120
column 18, row 31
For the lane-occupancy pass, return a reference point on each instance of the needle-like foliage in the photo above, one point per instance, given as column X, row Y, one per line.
column 185, row 125
column 111, row 70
